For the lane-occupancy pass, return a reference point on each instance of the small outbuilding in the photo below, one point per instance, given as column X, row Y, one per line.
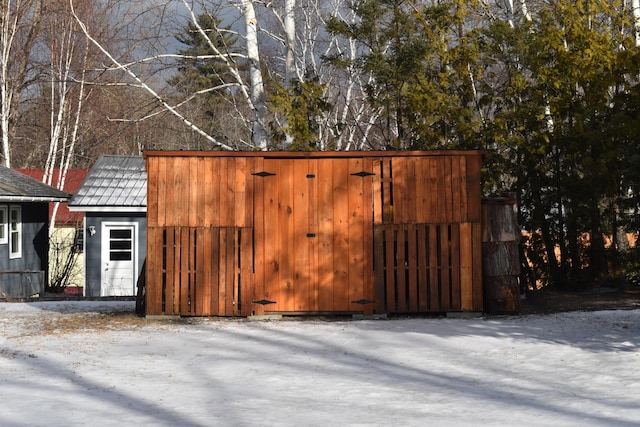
column 113, row 197
column 24, row 233
column 252, row 233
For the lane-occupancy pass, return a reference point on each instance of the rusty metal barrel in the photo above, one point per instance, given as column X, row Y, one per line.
column 500, row 255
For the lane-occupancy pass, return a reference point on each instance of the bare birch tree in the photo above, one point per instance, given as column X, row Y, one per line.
column 19, row 25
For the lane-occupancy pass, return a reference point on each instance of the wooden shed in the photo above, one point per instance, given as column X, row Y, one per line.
column 252, row 233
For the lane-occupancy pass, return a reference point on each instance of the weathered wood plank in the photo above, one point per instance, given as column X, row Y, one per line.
column 153, row 296
column 183, row 265
column 445, row 268
column 223, row 271
column 434, row 201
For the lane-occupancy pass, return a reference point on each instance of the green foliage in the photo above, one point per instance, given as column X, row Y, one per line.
column 421, row 63
column 303, row 105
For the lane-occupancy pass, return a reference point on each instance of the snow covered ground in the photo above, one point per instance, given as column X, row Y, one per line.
column 95, row 363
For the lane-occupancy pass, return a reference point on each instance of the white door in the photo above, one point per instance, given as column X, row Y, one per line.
column 119, row 248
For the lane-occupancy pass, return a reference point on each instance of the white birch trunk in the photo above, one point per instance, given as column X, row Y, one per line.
column 635, row 8
column 255, row 75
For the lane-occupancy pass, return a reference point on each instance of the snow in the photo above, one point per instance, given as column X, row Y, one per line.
column 95, row 363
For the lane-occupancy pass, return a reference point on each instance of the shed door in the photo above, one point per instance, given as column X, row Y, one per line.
column 317, row 233
column 118, row 260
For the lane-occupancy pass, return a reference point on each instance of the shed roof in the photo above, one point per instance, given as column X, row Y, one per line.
column 114, row 184
column 18, row 187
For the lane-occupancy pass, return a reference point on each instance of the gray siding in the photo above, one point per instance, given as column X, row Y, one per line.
column 35, row 241
column 93, row 246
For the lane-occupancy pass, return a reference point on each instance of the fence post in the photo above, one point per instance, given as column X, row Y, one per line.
column 500, row 256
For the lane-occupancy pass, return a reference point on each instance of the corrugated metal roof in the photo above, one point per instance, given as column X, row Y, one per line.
column 114, row 184
column 18, row 187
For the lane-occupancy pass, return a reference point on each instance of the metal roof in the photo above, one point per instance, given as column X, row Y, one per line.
column 114, row 184
column 18, row 187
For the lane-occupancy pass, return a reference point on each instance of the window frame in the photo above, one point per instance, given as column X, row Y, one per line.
column 13, row 251
column 4, row 225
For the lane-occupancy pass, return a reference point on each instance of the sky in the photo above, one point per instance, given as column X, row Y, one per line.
column 96, row 363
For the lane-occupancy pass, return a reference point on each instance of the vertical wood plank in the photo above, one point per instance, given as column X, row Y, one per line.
column 390, row 267
column 227, row 195
column 285, row 297
column 211, row 191
column 445, row 268
column 247, row 283
column 422, row 189
column 455, row 190
column 476, row 243
column 387, row 184
column 401, row 268
column 413, row 294
column 223, row 258
column 151, row 165
column 434, row 268
column 185, row 291
column 341, row 235
column 153, row 295
column 199, row 282
column 398, row 181
column 466, row 266
column 171, row 190
column 192, row 191
column 367, row 236
column 314, row 269
column 356, row 237
column 249, row 193
column 462, row 186
column 301, row 283
column 474, row 165
column 379, row 266
column 215, row 281
column 200, row 201
column 260, row 201
column 378, row 201
column 271, row 250
column 454, row 250
column 162, row 192
column 423, row 268
column 325, row 235
column 206, row 271
column 231, row 264
column 410, row 193
column 434, row 193
column 239, row 186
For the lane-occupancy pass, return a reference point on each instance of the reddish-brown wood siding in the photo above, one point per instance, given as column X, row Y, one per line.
column 253, row 233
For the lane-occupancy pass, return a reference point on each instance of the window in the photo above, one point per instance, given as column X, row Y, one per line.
column 78, row 241
column 121, row 245
column 15, row 232
column 3, row 225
